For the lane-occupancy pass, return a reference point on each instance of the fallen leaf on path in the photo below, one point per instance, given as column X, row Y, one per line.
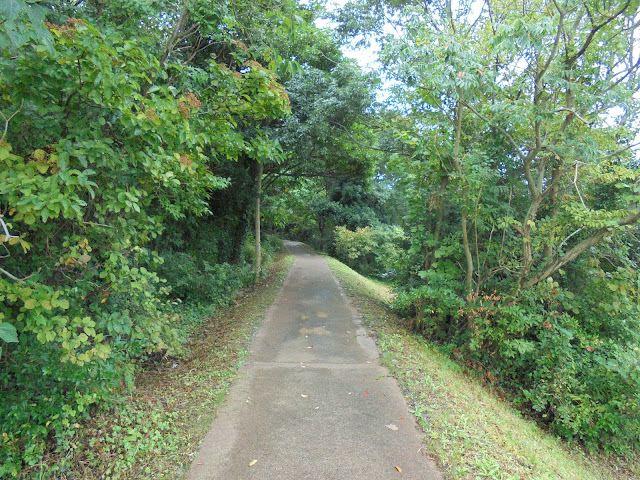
column 254, row 461
column 303, row 395
column 398, row 468
column 391, row 426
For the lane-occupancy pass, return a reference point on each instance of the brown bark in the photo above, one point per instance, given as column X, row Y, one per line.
column 547, row 252
column 467, row 252
column 257, row 223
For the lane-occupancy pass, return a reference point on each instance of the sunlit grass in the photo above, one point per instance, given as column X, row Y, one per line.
column 469, row 430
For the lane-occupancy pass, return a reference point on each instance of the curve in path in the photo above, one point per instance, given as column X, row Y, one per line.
column 311, row 400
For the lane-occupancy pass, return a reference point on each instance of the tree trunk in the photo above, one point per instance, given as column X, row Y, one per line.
column 439, row 222
column 467, row 252
column 465, row 230
column 527, row 247
column 257, row 223
column 553, row 200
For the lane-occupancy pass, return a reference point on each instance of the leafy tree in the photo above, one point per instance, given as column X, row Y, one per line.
column 519, row 174
column 111, row 133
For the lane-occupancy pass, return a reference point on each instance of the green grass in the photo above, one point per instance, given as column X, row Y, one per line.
column 469, row 430
column 156, row 430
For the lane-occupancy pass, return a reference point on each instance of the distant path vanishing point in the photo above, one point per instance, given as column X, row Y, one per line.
column 311, row 400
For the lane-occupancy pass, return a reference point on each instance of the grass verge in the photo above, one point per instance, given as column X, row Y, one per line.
column 469, row 430
column 155, row 431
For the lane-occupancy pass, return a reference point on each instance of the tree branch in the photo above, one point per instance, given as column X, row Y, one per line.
column 571, row 60
column 14, row 278
column 502, row 130
column 7, row 120
column 553, row 266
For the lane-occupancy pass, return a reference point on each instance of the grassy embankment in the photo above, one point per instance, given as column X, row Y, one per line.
column 469, row 430
column 155, row 431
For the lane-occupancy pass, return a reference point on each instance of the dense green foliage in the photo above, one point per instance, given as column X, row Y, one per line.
column 497, row 186
column 130, row 136
column 372, row 250
column 514, row 154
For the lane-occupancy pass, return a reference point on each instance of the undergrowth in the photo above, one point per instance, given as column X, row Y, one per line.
column 469, row 429
column 153, row 429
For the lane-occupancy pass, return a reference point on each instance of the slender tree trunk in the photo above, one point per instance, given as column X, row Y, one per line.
column 467, row 252
column 553, row 200
column 437, row 232
column 463, row 214
column 527, row 247
column 257, row 223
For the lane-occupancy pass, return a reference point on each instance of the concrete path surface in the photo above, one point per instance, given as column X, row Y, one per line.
column 311, row 400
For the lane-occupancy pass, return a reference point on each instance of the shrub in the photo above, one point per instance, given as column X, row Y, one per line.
column 435, row 305
column 571, row 361
column 370, row 250
column 97, row 153
column 196, row 281
column 582, row 383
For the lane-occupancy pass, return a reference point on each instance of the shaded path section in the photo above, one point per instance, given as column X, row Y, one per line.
column 311, row 401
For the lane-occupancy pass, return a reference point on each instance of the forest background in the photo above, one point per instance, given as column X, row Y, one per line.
column 497, row 187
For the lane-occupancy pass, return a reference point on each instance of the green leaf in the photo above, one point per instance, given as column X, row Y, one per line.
column 8, row 332
column 10, row 9
column 30, row 304
column 29, row 219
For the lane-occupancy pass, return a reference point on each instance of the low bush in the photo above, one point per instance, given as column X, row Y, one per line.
column 196, row 281
column 191, row 279
column 371, row 250
column 435, row 306
column 563, row 359
column 581, row 382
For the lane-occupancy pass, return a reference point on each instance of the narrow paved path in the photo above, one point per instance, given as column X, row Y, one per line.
column 312, row 401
